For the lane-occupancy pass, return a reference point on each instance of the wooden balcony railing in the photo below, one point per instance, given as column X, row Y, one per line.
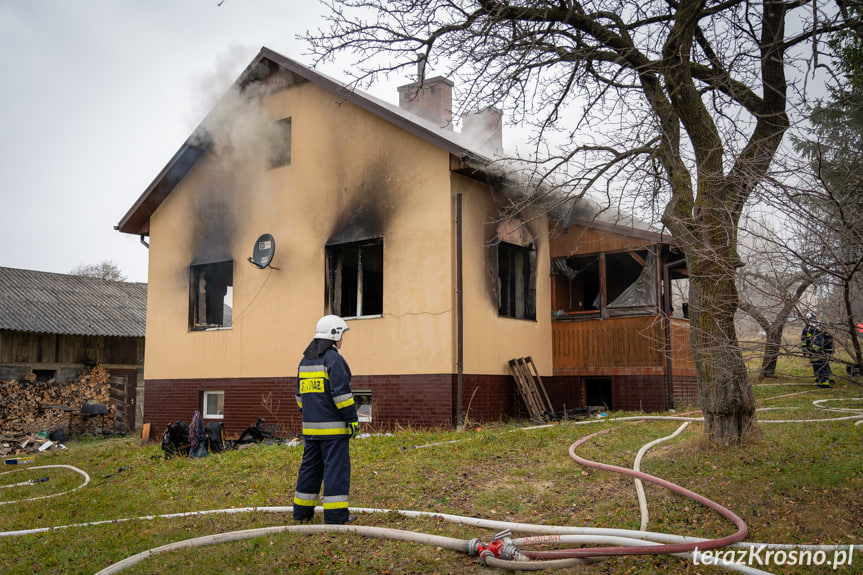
column 619, row 345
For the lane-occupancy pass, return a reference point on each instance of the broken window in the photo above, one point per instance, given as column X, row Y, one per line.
column 516, row 271
column 211, row 297
column 280, row 147
column 355, row 285
column 620, row 283
column 577, row 286
column 634, row 282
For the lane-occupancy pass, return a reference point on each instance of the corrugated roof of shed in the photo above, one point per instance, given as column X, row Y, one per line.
column 44, row 302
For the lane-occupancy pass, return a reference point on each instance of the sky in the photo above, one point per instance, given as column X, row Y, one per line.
column 96, row 96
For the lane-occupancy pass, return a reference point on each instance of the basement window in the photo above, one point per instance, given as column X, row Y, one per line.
column 214, row 405
column 363, row 400
column 516, row 267
column 280, row 149
column 211, row 296
column 355, row 283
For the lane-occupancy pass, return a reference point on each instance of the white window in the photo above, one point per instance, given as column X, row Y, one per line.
column 363, row 400
column 214, row 405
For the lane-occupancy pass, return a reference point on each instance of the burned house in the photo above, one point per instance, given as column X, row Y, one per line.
column 297, row 197
column 54, row 330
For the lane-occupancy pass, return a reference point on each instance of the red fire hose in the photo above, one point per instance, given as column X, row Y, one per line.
column 651, row 549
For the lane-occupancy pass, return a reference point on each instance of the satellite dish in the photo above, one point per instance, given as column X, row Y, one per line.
column 265, row 247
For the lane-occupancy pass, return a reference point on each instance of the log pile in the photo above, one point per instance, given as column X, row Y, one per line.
column 30, row 406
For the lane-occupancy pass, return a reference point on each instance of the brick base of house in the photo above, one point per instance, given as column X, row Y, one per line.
column 646, row 393
column 422, row 401
column 419, row 401
column 686, row 390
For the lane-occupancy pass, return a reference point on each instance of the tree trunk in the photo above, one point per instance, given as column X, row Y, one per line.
column 771, row 350
column 725, row 394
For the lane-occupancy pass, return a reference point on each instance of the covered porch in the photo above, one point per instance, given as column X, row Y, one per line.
column 620, row 327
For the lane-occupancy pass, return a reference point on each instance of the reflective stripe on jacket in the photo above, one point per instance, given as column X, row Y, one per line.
column 324, row 395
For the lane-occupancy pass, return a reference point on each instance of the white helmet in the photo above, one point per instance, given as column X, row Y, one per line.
column 330, row 327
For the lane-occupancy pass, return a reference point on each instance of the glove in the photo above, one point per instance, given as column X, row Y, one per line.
column 355, row 428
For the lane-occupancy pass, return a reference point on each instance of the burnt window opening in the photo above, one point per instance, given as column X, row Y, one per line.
column 613, row 283
column 634, row 282
column 516, row 272
column 355, row 285
column 211, row 295
column 280, row 150
column 577, row 287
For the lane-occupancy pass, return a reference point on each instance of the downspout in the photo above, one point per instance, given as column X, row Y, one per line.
column 459, row 316
column 666, row 307
column 144, row 242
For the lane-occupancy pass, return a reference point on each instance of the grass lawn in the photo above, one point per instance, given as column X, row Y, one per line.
column 795, row 483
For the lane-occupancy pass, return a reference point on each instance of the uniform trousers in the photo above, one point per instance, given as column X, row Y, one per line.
column 325, row 461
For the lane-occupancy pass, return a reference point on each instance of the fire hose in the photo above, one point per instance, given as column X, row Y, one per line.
column 503, row 551
column 75, row 469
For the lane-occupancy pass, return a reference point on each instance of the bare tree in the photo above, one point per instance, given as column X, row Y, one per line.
column 106, row 270
column 684, row 102
column 832, row 208
column 829, row 216
column 772, row 283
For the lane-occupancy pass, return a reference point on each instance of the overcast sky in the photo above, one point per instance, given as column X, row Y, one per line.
column 95, row 98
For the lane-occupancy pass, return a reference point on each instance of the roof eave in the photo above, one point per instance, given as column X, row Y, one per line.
column 137, row 219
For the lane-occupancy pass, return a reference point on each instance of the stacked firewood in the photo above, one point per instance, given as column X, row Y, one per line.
column 30, row 406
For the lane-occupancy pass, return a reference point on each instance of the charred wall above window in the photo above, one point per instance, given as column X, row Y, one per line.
column 355, row 246
column 368, row 207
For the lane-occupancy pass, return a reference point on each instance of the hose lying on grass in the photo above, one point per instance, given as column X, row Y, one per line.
column 616, row 541
column 75, row 469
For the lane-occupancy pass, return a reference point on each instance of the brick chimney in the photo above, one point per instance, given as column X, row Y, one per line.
column 431, row 99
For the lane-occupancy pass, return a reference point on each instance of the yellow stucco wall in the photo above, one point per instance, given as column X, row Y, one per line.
column 347, row 166
column 490, row 340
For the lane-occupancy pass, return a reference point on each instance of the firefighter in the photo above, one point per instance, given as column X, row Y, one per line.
column 330, row 419
column 817, row 345
column 822, row 351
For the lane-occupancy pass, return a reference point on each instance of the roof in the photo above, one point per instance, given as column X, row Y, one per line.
column 136, row 220
column 43, row 302
column 468, row 160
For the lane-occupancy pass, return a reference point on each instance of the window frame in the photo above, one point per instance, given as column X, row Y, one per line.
column 280, row 151
column 336, row 282
column 205, row 414
column 363, row 398
column 516, row 286
column 197, row 273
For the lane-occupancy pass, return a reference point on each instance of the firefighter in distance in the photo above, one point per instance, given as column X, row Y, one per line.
column 817, row 345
